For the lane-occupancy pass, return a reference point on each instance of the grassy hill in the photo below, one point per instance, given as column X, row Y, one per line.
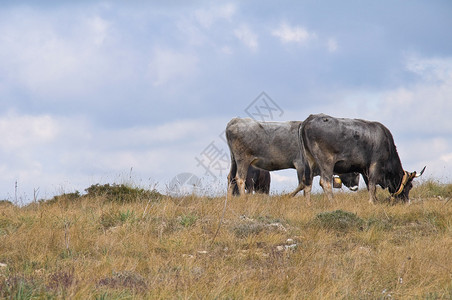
column 119, row 242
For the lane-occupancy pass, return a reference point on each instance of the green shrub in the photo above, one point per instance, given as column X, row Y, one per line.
column 112, row 219
column 5, row 202
column 122, row 193
column 188, row 220
column 338, row 220
column 70, row 197
column 124, row 280
column 19, row 287
column 246, row 229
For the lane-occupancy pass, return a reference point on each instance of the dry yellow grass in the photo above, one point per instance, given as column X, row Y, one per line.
column 268, row 247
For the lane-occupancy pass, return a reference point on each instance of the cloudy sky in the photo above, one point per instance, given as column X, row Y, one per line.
column 140, row 91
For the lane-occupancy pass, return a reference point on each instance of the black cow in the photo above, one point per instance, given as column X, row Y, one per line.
column 257, row 180
column 269, row 146
column 352, row 145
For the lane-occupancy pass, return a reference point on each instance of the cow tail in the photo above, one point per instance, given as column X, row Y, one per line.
column 233, row 171
column 304, row 159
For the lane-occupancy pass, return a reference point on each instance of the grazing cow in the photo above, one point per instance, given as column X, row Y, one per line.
column 257, row 180
column 266, row 145
column 351, row 145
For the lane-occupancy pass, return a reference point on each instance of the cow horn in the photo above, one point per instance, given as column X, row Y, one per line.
column 405, row 179
column 422, row 172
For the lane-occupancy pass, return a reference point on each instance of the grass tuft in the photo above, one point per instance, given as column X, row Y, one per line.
column 339, row 220
column 124, row 280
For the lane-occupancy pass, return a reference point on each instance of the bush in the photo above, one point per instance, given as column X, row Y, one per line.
column 124, row 280
column 65, row 197
column 338, row 220
column 188, row 220
column 122, row 193
column 5, row 202
column 112, row 219
column 247, row 229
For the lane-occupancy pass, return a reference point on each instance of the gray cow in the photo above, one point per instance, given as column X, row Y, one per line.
column 269, row 146
column 354, row 145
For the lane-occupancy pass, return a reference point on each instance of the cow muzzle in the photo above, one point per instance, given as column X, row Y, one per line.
column 353, row 188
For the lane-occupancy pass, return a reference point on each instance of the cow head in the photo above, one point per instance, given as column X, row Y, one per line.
column 406, row 184
column 350, row 180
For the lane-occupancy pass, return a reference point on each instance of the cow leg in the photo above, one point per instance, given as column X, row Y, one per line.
column 372, row 187
column 307, row 193
column 325, row 183
column 301, row 186
column 264, row 182
column 371, row 184
column 326, row 177
column 250, row 180
column 242, row 171
column 325, row 163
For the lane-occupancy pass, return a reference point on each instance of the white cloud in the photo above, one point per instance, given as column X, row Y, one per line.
column 247, row 37
column 425, row 105
column 97, row 29
column 332, row 45
column 293, row 34
column 153, row 136
column 226, row 50
column 167, row 65
column 21, row 132
column 48, row 58
column 284, row 179
column 206, row 17
column 436, row 69
column 447, row 158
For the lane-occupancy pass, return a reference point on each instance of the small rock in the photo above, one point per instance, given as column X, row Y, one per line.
column 291, row 247
column 197, row 271
column 245, row 218
column 277, row 226
column 39, row 271
column 113, row 229
column 289, row 241
column 202, row 252
column 2, row 265
column 279, row 248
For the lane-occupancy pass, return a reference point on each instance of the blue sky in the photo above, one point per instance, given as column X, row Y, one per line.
column 134, row 91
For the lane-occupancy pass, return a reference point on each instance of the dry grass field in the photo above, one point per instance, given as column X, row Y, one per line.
column 119, row 242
